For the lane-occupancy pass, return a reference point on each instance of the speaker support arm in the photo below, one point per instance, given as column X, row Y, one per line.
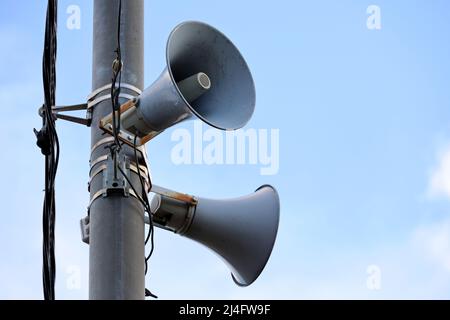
column 174, row 195
column 56, row 112
column 123, row 135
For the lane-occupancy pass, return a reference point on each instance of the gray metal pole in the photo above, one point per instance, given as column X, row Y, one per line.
column 116, row 253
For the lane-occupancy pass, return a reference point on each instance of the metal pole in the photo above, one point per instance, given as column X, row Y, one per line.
column 116, row 253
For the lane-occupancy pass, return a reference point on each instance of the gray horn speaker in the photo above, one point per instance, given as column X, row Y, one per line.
column 206, row 78
column 241, row 230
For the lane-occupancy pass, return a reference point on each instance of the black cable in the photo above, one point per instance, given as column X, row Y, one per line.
column 150, row 234
column 146, row 206
column 147, row 209
column 145, row 197
column 49, row 78
column 48, row 142
column 119, row 58
column 117, row 77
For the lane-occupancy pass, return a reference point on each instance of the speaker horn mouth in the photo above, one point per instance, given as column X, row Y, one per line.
column 274, row 236
column 196, row 48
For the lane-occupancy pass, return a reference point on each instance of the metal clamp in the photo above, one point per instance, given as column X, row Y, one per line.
column 85, row 230
column 113, row 179
column 93, row 98
column 132, row 166
column 172, row 210
column 125, row 136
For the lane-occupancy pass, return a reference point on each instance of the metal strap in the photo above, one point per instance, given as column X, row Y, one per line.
column 142, row 168
column 94, row 93
column 101, row 142
column 93, row 103
column 143, row 175
column 101, row 192
column 96, row 172
column 143, row 151
column 98, row 160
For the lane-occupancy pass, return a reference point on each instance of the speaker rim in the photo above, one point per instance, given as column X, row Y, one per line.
column 192, row 109
column 273, row 242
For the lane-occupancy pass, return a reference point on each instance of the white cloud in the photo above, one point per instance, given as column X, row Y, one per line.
column 434, row 239
column 439, row 184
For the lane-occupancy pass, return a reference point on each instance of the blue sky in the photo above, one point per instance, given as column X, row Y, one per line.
column 364, row 174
